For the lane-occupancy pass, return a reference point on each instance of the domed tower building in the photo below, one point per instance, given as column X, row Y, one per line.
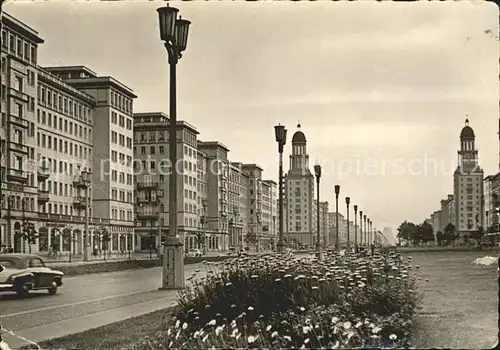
column 468, row 186
column 300, row 201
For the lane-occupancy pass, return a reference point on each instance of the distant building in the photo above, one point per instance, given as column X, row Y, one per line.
column 491, row 202
column 299, row 195
column 468, row 185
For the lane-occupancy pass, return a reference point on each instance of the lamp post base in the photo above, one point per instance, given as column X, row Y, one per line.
column 319, row 253
column 87, row 256
column 281, row 247
column 173, row 264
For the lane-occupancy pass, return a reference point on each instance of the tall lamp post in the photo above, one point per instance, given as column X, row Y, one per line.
column 347, row 202
column 355, row 228
column 280, row 134
column 365, row 230
column 203, row 236
column 159, row 197
column 174, row 34
column 360, row 227
column 337, row 192
column 317, row 171
column 85, row 182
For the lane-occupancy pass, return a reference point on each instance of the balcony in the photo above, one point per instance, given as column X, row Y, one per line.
column 19, row 121
column 147, row 185
column 79, row 183
column 43, row 173
column 18, row 147
column 43, row 196
column 147, row 200
column 152, row 215
column 17, row 175
column 80, row 202
column 18, row 94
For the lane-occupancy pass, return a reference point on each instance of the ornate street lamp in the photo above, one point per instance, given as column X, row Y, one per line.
column 337, row 192
column 360, row 227
column 365, row 231
column 174, row 34
column 280, row 134
column 317, row 171
column 347, row 202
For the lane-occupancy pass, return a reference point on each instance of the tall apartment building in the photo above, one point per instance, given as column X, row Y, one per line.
column 269, row 214
column 217, row 209
column 468, row 185
column 332, row 231
column 255, row 236
column 239, row 207
column 447, row 212
column 57, row 124
column 152, row 178
column 18, row 180
column 436, row 221
column 299, row 194
column 112, row 162
column 491, row 202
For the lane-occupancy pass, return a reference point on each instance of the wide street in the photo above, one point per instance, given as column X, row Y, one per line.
column 40, row 315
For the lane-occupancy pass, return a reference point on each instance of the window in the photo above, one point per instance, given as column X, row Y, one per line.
column 36, row 263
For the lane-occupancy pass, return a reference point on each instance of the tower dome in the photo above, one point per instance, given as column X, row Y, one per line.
column 467, row 132
column 299, row 136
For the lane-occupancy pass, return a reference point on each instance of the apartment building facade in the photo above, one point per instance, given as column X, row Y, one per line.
column 256, row 240
column 491, row 185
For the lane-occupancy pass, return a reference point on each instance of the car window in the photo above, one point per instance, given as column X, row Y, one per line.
column 7, row 263
column 36, row 263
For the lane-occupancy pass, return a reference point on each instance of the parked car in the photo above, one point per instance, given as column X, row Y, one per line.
column 21, row 273
column 194, row 253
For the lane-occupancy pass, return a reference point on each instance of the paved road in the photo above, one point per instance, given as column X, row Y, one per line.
column 83, row 295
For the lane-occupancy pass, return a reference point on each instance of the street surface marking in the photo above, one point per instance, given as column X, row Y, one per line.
column 74, row 304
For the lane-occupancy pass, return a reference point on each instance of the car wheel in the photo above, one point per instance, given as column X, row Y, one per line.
column 23, row 290
column 53, row 290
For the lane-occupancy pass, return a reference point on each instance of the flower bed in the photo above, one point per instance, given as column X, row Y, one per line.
column 273, row 301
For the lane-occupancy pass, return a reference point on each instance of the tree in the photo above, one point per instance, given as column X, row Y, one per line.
column 29, row 234
column 449, row 233
column 439, row 237
column 478, row 234
column 407, row 231
column 426, row 232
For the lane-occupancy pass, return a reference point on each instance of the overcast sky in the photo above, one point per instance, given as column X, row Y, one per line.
column 379, row 88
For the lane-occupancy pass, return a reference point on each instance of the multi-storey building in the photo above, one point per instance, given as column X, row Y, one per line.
column 19, row 195
column 255, row 236
column 152, row 178
column 299, row 194
column 217, row 210
column 332, row 232
column 491, row 202
column 238, row 206
column 270, row 213
column 436, row 222
column 112, row 169
column 447, row 212
column 202, row 201
column 468, row 185
column 61, row 128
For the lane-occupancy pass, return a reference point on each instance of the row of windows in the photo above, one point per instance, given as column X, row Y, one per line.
column 120, row 195
column 64, row 209
column 63, row 103
column 119, row 214
column 19, row 47
column 121, row 120
column 59, row 188
column 63, row 146
column 115, row 155
column 64, row 125
column 121, row 102
column 115, row 177
column 163, row 136
column 119, row 139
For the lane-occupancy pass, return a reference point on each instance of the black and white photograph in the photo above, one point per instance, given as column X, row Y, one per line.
column 249, row 174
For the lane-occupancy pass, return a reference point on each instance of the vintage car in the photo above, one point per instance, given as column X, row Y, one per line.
column 21, row 273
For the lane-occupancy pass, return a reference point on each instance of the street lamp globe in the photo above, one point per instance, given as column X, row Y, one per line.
column 317, row 170
column 337, row 189
column 181, row 33
column 348, row 200
column 168, row 18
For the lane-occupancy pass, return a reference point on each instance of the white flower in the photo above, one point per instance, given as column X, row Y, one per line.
column 393, row 337
column 212, row 323
column 287, row 338
column 376, row 330
column 371, row 325
column 252, row 338
column 235, row 332
column 274, row 334
column 204, row 338
column 177, row 324
column 306, row 341
column 250, row 308
column 305, row 329
column 184, row 325
column 218, row 330
column 169, row 331
column 336, row 345
column 302, row 309
column 268, row 328
column 335, row 319
column 347, row 325
column 359, row 324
